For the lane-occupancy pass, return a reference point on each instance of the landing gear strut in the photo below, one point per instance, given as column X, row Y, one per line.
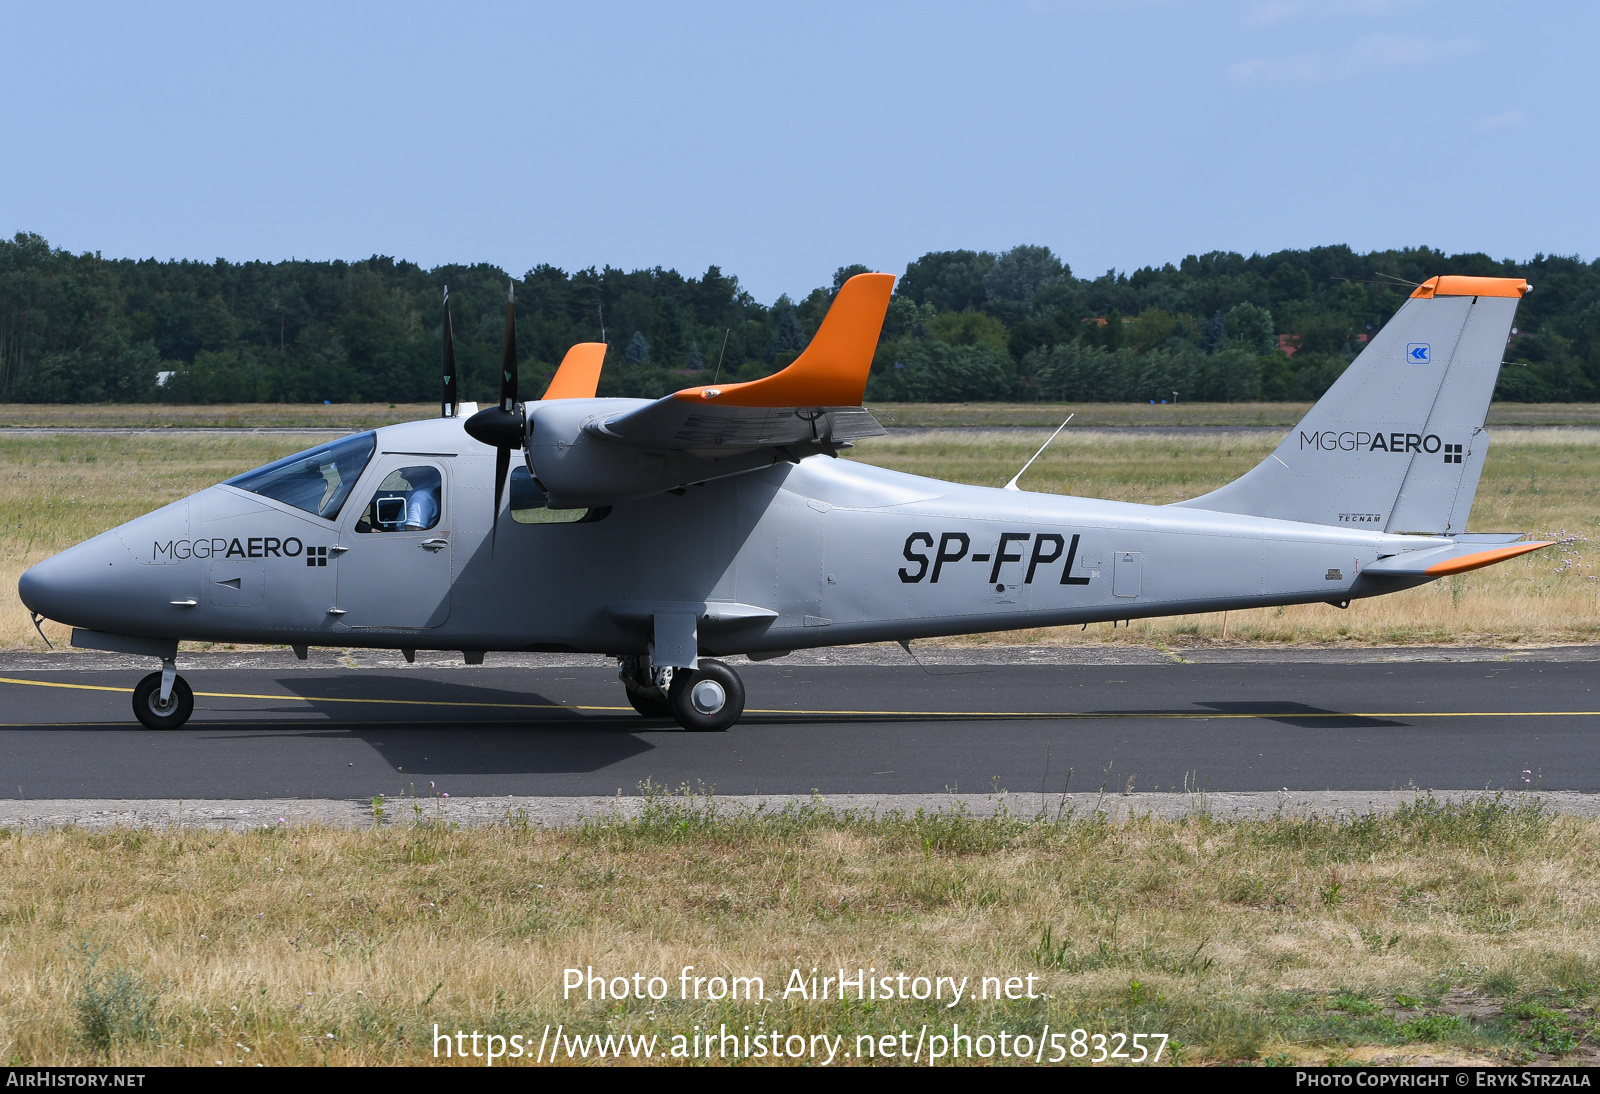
column 163, row 700
column 643, row 694
column 707, row 699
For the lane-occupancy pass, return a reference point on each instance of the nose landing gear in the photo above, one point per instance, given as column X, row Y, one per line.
column 163, row 700
column 707, row 699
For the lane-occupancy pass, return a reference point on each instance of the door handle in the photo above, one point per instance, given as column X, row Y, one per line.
column 337, row 550
column 434, row 544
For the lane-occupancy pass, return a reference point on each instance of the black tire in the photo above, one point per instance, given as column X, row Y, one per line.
column 690, row 699
column 649, row 704
column 147, row 703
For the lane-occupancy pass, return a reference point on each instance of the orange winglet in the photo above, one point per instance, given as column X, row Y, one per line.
column 833, row 369
column 1461, row 285
column 579, row 374
column 1463, row 563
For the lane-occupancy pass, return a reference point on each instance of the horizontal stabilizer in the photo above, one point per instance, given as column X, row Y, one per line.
column 1467, row 553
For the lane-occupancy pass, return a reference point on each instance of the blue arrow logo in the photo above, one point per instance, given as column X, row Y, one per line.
column 1417, row 353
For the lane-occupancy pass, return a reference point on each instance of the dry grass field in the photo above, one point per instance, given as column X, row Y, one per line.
column 351, row 416
column 1444, row 932
column 57, row 489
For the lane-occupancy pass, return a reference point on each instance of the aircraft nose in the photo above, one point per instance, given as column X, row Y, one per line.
column 73, row 586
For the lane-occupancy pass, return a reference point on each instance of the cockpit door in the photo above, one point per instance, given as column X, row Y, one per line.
column 394, row 546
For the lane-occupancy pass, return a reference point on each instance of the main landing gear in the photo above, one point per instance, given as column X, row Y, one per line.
column 163, row 700
column 707, row 699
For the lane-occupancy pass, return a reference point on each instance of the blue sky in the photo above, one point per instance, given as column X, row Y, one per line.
column 782, row 141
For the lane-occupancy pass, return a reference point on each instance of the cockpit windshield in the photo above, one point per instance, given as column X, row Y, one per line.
column 317, row 480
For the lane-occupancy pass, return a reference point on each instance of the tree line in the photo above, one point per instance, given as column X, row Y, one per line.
column 963, row 325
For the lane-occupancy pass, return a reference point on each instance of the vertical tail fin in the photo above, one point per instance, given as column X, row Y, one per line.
column 1397, row 443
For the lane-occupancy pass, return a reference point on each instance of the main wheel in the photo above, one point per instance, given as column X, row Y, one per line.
column 650, row 704
column 709, row 699
column 149, row 709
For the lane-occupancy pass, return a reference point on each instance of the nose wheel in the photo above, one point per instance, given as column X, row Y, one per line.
column 158, row 713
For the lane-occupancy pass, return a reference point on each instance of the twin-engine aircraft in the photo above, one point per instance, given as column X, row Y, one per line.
column 719, row 520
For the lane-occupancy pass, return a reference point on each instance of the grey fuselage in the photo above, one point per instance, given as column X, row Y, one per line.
column 820, row 552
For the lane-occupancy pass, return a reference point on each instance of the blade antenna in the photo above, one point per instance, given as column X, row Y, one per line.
column 1012, row 485
column 725, row 334
column 449, row 402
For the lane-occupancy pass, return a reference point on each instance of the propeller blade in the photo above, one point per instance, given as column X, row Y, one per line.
column 502, row 427
column 508, row 354
column 449, row 399
column 502, row 468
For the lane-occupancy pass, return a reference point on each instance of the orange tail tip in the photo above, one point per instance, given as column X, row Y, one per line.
column 1461, row 285
column 579, row 374
column 833, row 369
column 1463, row 563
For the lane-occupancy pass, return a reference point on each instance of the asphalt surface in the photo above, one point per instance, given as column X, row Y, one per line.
column 324, row 731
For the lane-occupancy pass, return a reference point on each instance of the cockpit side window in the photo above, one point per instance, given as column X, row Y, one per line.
column 317, row 480
column 407, row 500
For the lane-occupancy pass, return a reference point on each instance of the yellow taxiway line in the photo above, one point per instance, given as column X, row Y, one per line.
column 1032, row 714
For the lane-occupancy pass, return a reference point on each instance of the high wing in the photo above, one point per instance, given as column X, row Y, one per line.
column 588, row 452
column 816, row 400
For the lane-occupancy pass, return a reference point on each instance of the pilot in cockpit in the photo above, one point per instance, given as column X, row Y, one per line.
column 422, row 503
column 407, row 501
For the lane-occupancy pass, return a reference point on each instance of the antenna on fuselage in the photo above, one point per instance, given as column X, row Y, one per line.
column 1012, row 485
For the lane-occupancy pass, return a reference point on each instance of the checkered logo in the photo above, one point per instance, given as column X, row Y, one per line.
column 318, row 556
column 1452, row 453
